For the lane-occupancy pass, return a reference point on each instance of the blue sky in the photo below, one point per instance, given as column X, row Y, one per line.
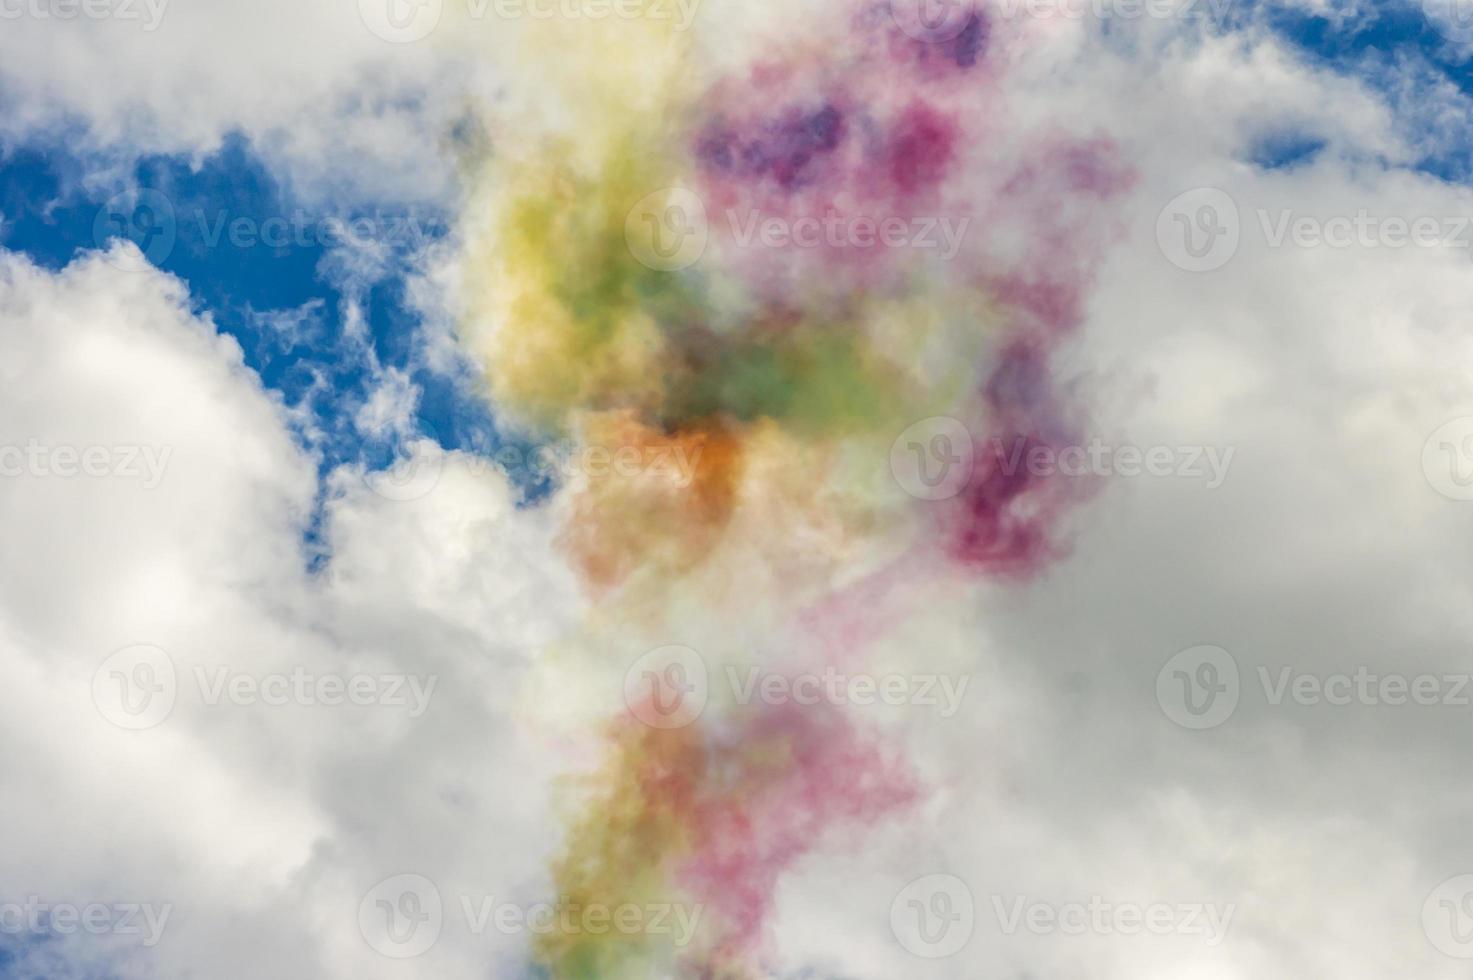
column 1382, row 46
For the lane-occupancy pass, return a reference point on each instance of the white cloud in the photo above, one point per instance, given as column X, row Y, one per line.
column 340, row 112
column 262, row 826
